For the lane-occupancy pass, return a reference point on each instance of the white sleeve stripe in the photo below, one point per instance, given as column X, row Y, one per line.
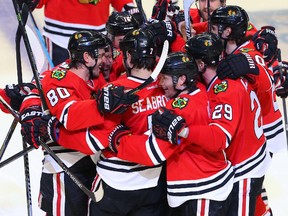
column 64, row 113
column 94, row 144
column 153, row 150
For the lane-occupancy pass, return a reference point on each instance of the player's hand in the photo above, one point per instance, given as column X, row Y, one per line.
column 17, row 93
column 36, row 128
column 113, row 99
column 162, row 30
column 173, row 9
column 266, row 43
column 281, row 79
column 159, row 11
column 235, row 66
column 114, row 137
column 166, row 125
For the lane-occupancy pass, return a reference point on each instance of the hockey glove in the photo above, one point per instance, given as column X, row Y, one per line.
column 237, row 65
column 281, row 79
column 159, row 11
column 173, row 8
column 266, row 43
column 17, row 93
column 162, row 30
column 35, row 127
column 179, row 19
column 166, row 125
column 114, row 137
column 113, row 99
column 134, row 11
column 32, row 4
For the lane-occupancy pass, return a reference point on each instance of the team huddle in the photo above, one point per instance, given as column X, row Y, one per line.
column 196, row 140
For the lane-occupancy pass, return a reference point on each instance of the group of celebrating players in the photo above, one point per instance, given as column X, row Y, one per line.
column 196, row 141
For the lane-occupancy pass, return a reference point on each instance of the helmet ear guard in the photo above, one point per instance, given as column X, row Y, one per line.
column 178, row 64
column 139, row 44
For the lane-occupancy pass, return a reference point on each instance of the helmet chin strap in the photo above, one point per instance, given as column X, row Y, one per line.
column 127, row 67
column 178, row 91
column 90, row 69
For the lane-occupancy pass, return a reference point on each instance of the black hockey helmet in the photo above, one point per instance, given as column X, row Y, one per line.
column 120, row 23
column 139, row 43
column 206, row 46
column 87, row 41
column 231, row 16
column 178, row 64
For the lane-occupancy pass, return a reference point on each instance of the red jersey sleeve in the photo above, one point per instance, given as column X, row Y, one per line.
column 6, row 98
column 119, row 4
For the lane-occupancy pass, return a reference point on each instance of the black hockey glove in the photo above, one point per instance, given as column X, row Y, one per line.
column 112, row 99
column 173, row 9
column 32, row 4
column 166, row 125
column 237, row 65
column 17, row 93
column 266, row 43
column 159, row 11
column 35, row 127
column 114, row 137
column 162, row 30
column 134, row 11
column 179, row 19
column 281, row 79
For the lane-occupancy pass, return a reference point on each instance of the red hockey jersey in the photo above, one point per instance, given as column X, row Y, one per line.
column 63, row 18
column 265, row 90
column 193, row 172
column 125, row 175
column 236, row 127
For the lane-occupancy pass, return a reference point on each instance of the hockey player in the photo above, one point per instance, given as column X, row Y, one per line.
column 62, row 19
column 119, row 24
column 68, row 89
column 130, row 188
column 233, row 31
column 235, row 127
column 199, row 181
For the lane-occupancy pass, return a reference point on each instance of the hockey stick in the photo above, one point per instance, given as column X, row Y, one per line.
column 141, row 10
column 24, row 13
column 11, row 129
column 16, row 156
column 42, row 42
column 209, row 16
column 187, row 5
column 156, row 71
column 30, row 55
column 95, row 196
column 283, row 99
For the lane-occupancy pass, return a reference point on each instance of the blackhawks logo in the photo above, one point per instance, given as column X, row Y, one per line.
column 221, row 87
column 58, row 74
column 246, row 50
column 179, row 103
